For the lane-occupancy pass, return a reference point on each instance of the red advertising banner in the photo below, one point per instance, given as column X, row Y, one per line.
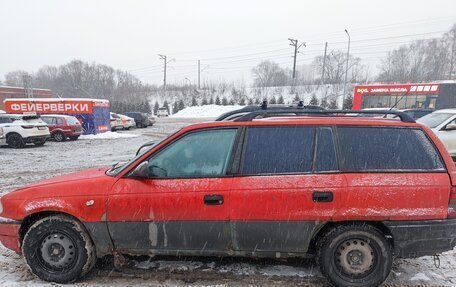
column 395, row 89
column 48, row 107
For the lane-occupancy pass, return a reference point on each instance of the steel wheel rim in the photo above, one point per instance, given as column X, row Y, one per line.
column 355, row 258
column 57, row 251
column 58, row 137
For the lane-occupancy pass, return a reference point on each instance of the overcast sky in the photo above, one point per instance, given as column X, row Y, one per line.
column 230, row 36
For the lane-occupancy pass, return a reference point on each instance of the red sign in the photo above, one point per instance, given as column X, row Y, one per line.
column 398, row 89
column 48, row 107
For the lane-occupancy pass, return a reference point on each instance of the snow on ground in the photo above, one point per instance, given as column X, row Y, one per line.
column 108, row 135
column 2, row 112
column 206, row 111
column 22, row 166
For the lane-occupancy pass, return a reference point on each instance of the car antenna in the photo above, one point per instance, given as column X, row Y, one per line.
column 395, row 104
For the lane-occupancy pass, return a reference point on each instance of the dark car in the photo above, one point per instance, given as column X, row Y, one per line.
column 142, row 119
column 62, row 127
column 417, row 113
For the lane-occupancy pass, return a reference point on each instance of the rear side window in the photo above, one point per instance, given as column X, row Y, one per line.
column 377, row 149
column 49, row 120
column 272, row 150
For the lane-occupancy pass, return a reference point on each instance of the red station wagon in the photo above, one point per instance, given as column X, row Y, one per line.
column 352, row 192
column 63, row 127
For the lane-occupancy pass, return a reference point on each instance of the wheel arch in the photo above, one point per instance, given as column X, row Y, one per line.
column 323, row 229
column 30, row 219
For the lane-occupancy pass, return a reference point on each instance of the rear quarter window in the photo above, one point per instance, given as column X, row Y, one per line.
column 380, row 149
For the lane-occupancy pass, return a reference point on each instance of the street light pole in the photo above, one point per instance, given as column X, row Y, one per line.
column 346, row 69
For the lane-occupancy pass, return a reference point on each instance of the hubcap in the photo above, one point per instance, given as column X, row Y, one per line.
column 355, row 257
column 57, row 250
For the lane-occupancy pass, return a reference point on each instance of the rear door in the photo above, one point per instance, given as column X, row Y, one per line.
column 288, row 182
column 392, row 174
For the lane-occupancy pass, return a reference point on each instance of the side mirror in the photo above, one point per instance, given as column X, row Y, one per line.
column 141, row 171
column 450, row 127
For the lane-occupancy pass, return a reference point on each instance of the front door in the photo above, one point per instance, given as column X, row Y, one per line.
column 183, row 208
column 288, row 183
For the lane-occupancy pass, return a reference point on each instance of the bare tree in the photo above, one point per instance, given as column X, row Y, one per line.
column 269, row 74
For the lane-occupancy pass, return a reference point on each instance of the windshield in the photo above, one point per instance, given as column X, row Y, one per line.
column 435, row 119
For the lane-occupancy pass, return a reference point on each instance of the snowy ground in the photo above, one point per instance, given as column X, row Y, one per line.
column 19, row 167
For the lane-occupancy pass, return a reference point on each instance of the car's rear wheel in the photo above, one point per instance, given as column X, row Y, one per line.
column 355, row 255
column 15, row 140
column 59, row 136
column 58, row 249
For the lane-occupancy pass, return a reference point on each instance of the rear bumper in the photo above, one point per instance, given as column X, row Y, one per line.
column 420, row 238
column 34, row 139
column 9, row 234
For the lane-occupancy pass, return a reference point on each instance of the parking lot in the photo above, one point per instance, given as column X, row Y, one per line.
column 22, row 166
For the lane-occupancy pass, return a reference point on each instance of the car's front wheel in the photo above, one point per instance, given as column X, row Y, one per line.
column 58, row 249
column 355, row 255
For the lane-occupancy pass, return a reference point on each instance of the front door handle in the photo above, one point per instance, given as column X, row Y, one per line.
column 322, row 196
column 213, row 199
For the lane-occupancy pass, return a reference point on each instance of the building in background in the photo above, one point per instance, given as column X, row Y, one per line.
column 406, row 96
column 7, row 92
column 93, row 114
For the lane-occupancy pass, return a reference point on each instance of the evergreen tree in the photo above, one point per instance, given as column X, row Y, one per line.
column 324, row 103
column 204, row 102
column 175, row 108
column 250, row 102
column 242, row 102
column 348, row 103
column 194, row 102
column 281, row 100
column 147, row 107
column 313, row 100
column 217, row 101
column 273, row 101
column 224, row 101
column 156, row 107
column 211, row 101
column 296, row 98
column 181, row 105
column 231, row 102
column 333, row 104
column 166, row 105
column 257, row 101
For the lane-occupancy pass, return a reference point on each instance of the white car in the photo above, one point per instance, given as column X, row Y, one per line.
column 116, row 122
column 127, row 122
column 162, row 112
column 22, row 129
column 2, row 137
column 443, row 124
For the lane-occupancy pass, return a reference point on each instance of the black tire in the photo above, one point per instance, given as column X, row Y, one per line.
column 15, row 140
column 58, row 249
column 354, row 255
column 59, row 136
column 73, row 138
column 139, row 125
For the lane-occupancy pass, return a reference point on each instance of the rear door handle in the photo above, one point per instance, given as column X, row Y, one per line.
column 322, row 196
column 213, row 199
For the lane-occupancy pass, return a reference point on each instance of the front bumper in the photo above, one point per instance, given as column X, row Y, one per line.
column 9, row 234
column 421, row 238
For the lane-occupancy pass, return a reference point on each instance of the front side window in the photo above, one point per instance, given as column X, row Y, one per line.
column 199, row 154
column 434, row 119
column 275, row 150
column 377, row 149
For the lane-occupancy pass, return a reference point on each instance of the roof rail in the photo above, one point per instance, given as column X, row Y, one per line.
column 286, row 112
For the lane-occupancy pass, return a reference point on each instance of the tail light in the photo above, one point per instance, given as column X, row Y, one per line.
column 27, row 127
column 113, row 120
column 452, row 203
